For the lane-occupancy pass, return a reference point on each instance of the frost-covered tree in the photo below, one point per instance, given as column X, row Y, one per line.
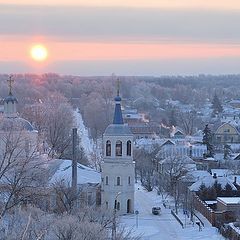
column 208, row 141
column 172, row 118
column 31, row 223
column 53, row 118
column 146, row 164
column 22, row 177
column 227, row 151
column 173, row 169
column 216, row 105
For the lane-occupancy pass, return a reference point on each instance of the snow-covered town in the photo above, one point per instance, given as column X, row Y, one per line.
column 135, row 180
column 119, row 120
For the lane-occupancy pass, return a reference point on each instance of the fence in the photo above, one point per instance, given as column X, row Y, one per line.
column 177, row 218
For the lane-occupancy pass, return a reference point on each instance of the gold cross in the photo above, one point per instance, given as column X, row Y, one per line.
column 118, row 86
column 10, row 82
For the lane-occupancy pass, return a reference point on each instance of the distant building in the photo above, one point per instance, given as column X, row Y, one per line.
column 132, row 117
column 209, row 181
column 227, row 133
column 231, row 204
column 177, row 133
column 88, row 183
column 139, row 124
column 145, row 131
column 234, row 103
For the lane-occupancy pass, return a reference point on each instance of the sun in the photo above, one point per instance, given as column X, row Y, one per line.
column 39, row 53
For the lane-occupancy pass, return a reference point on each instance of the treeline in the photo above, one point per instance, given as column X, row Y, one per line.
column 94, row 95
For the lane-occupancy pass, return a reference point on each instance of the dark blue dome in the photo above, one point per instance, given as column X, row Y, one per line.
column 10, row 98
column 117, row 99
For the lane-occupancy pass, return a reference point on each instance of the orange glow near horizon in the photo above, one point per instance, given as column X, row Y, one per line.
column 94, row 51
column 175, row 4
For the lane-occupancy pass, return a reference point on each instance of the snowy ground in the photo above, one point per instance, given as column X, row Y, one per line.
column 164, row 226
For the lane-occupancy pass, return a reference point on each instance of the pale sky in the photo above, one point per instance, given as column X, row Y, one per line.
column 137, row 37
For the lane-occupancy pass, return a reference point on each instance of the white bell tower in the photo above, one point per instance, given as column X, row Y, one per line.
column 118, row 170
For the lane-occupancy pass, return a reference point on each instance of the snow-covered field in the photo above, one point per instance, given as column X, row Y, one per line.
column 164, row 226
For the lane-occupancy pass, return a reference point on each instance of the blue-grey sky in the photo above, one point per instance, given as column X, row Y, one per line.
column 153, row 38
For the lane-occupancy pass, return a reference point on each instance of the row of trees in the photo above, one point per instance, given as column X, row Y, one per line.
column 87, row 224
column 163, row 174
column 94, row 95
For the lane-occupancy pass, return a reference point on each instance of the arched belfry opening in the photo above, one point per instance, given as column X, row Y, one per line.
column 108, row 148
column 118, row 148
column 129, row 210
column 129, row 148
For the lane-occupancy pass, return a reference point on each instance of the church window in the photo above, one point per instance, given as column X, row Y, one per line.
column 119, row 148
column 118, row 206
column 129, row 148
column 118, row 181
column 106, row 180
column 129, row 180
column 108, row 148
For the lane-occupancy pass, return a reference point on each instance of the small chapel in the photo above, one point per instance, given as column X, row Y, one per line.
column 118, row 169
column 16, row 133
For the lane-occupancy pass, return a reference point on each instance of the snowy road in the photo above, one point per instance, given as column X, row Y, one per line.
column 87, row 144
column 164, row 226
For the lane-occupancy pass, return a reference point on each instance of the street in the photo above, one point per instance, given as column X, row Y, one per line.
column 163, row 226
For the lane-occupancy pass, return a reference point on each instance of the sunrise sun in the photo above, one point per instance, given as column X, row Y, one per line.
column 39, row 53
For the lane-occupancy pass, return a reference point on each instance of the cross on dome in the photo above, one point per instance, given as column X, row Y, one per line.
column 118, row 119
column 10, row 83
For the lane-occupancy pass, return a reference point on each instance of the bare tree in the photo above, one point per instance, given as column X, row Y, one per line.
column 95, row 116
column 65, row 197
column 173, row 169
column 22, row 175
column 187, row 121
column 53, row 118
column 146, row 165
column 27, row 224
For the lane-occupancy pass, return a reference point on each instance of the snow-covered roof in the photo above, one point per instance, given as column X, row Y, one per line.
column 227, row 124
column 194, row 176
column 117, row 130
column 64, row 173
column 219, row 156
column 229, row 200
column 209, row 182
column 210, row 202
column 221, row 172
column 234, row 178
column 234, row 101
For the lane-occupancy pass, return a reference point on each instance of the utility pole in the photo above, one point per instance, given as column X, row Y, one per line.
column 74, row 163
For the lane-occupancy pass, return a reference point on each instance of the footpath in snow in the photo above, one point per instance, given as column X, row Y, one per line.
column 164, row 226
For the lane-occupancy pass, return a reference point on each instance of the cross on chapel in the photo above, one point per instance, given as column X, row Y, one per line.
column 10, row 82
